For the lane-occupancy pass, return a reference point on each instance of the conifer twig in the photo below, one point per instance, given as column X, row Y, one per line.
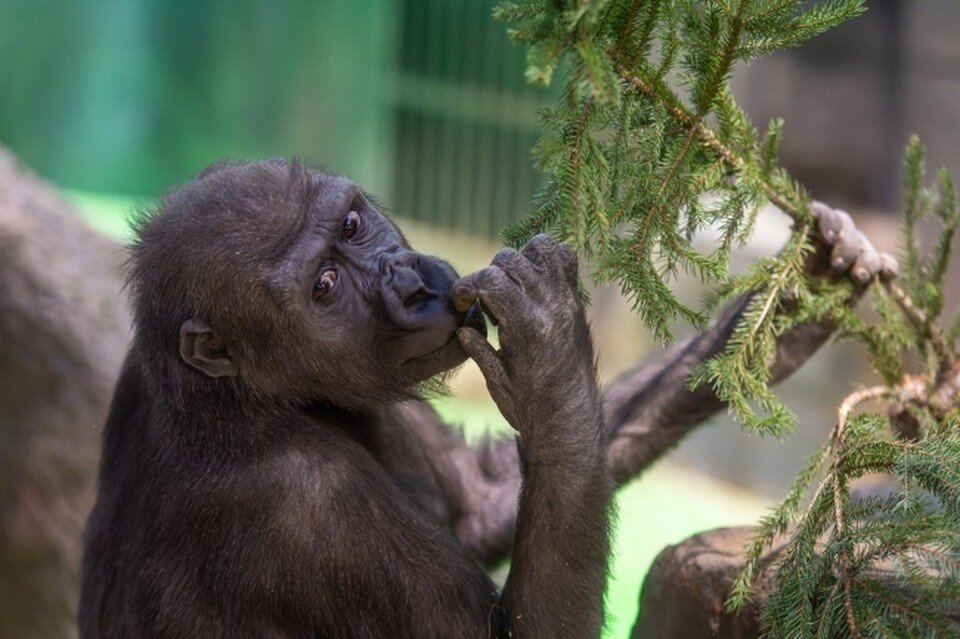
column 695, row 125
column 846, row 406
column 945, row 357
column 776, row 287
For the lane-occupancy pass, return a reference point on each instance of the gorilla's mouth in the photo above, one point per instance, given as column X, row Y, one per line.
column 449, row 354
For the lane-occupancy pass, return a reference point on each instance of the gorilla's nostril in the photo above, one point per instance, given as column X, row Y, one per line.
column 416, row 286
column 410, row 287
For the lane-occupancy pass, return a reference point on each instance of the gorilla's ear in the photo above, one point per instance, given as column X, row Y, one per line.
column 203, row 349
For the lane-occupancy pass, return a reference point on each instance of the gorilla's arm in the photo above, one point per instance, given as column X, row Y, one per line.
column 543, row 380
column 478, row 485
column 647, row 410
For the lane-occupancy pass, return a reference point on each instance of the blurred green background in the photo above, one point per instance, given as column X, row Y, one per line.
column 424, row 103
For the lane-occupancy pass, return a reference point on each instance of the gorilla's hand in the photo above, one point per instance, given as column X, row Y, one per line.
column 545, row 367
column 842, row 248
column 544, row 383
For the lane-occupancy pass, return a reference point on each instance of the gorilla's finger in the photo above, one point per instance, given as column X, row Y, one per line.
column 817, row 208
column 832, row 223
column 556, row 258
column 829, row 225
column 516, row 266
column 539, row 250
column 889, row 267
column 463, row 295
column 847, row 249
column 569, row 262
column 498, row 294
column 867, row 264
column 486, row 357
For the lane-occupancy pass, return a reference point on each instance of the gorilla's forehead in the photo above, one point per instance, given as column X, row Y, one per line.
column 315, row 211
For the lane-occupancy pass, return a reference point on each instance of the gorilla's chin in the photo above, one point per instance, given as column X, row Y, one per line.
column 450, row 354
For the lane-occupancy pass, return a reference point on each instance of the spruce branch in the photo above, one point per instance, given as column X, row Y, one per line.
column 839, row 542
column 647, row 149
column 694, row 124
column 924, row 545
column 840, row 490
column 944, row 353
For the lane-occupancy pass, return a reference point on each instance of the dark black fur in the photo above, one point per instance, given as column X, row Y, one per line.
column 268, row 470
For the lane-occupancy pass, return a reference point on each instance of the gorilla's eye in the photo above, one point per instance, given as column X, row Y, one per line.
column 324, row 284
column 351, row 225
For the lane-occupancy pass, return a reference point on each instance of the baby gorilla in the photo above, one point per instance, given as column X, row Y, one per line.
column 269, row 471
column 258, row 477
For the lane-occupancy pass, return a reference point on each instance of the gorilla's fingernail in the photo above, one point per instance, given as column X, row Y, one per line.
column 869, row 262
column 463, row 297
column 862, row 275
column 830, row 225
column 889, row 267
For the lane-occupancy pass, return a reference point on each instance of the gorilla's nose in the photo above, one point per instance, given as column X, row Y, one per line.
column 415, row 288
column 403, row 272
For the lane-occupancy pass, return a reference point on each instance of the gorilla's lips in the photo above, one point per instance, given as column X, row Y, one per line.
column 450, row 354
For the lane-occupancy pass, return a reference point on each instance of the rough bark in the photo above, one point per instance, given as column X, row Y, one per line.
column 687, row 585
column 63, row 333
column 684, row 592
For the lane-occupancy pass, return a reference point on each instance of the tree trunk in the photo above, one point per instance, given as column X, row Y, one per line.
column 684, row 592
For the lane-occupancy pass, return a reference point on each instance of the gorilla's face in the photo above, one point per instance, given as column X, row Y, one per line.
column 305, row 290
column 370, row 297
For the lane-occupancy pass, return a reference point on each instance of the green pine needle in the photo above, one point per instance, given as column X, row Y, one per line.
column 648, row 148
